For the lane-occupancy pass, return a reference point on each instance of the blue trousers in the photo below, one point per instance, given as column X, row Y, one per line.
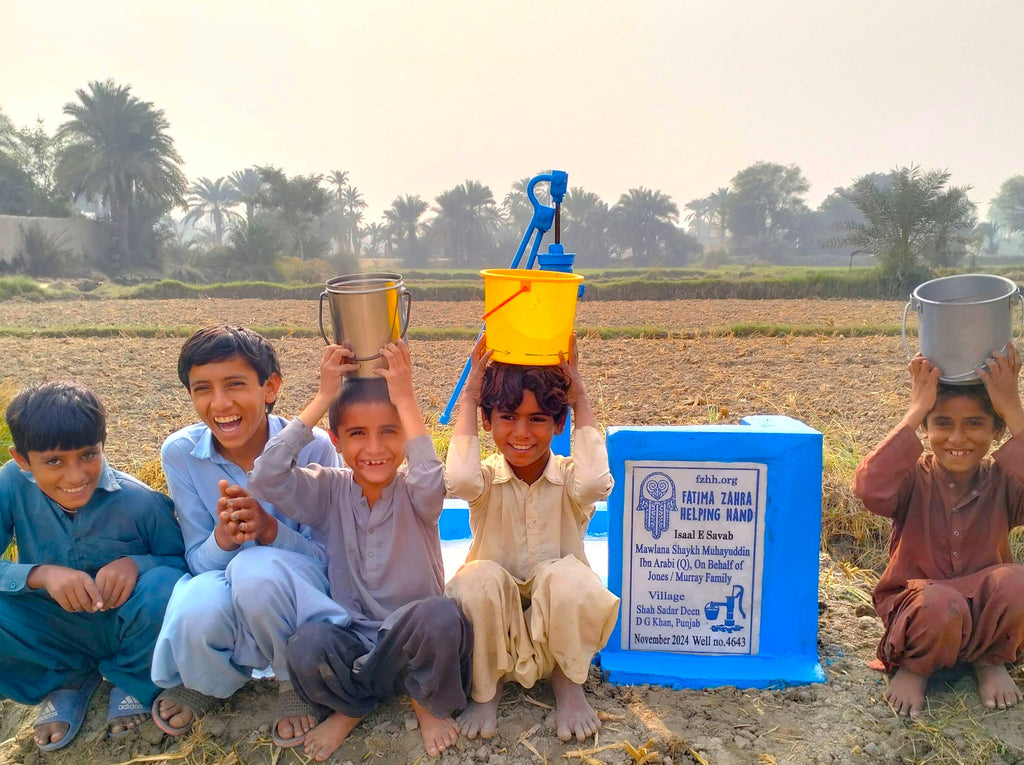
column 43, row 647
column 223, row 625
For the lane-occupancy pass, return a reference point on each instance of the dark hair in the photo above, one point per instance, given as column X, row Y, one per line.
column 357, row 390
column 222, row 341
column 56, row 415
column 976, row 392
column 504, row 384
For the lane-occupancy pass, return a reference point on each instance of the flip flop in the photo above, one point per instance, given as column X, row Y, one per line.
column 198, row 702
column 123, row 704
column 67, row 705
column 289, row 704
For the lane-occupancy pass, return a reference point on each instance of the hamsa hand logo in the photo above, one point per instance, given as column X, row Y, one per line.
column 657, row 502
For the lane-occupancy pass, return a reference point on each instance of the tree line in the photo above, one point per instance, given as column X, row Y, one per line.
column 115, row 151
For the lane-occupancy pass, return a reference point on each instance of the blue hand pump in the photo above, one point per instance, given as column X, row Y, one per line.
column 555, row 259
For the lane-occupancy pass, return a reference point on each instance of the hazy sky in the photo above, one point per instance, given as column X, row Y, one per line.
column 415, row 97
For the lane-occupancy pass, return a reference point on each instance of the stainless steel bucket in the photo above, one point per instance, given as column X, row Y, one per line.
column 961, row 320
column 368, row 311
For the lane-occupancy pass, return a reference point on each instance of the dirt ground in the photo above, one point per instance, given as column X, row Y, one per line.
column 853, row 389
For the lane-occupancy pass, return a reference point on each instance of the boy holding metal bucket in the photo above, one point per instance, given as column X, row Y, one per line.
column 538, row 610
column 951, row 592
column 379, row 518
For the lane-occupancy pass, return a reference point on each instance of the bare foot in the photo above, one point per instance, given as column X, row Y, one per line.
column 573, row 713
column 328, row 735
column 49, row 733
column 293, row 727
column 119, row 725
column 174, row 714
column 438, row 733
column 906, row 693
column 481, row 717
column 996, row 687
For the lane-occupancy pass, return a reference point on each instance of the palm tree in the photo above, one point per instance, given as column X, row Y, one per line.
column 466, row 221
column 585, row 222
column 214, row 199
column 699, row 213
column 911, row 220
column 119, row 151
column 378, row 236
column 338, row 179
column 253, row 247
column 352, row 205
column 718, row 210
column 642, row 222
column 248, row 187
column 403, row 223
column 988, row 237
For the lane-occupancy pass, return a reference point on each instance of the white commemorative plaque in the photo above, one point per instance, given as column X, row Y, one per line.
column 693, row 543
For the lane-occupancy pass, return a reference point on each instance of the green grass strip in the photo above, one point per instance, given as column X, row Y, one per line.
column 469, row 333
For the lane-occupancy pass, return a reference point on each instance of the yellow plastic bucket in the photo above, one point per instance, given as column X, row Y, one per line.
column 528, row 315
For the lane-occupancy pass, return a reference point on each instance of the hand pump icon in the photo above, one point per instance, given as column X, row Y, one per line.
column 730, row 604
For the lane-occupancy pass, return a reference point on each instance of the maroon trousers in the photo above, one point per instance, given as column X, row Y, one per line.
column 975, row 619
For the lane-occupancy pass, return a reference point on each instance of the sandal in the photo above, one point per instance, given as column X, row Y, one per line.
column 289, row 704
column 198, row 702
column 123, row 704
column 67, row 705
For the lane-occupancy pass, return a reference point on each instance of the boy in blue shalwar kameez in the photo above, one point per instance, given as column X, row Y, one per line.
column 98, row 556
column 256, row 576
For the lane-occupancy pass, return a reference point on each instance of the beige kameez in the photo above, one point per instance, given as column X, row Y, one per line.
column 526, row 586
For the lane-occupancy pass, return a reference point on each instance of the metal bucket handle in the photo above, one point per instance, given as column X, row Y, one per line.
column 1020, row 329
column 917, row 307
column 320, row 316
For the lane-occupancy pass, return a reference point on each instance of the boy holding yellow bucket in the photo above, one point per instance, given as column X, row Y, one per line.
column 537, row 608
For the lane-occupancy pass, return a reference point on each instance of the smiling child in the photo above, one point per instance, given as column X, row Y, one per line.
column 380, row 520
column 951, row 592
column 98, row 556
column 256, row 574
column 538, row 610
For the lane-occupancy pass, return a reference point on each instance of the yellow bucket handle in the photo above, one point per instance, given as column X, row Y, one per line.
column 523, row 287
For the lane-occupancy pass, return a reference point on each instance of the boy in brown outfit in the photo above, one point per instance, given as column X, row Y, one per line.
column 951, row 592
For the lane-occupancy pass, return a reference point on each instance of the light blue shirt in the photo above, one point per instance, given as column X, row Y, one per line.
column 123, row 518
column 194, row 467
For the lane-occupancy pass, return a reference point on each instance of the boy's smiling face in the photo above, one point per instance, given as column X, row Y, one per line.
column 524, row 436
column 370, row 439
column 231, row 401
column 960, row 433
column 67, row 476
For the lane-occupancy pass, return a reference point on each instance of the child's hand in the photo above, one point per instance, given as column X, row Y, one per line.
column 73, row 590
column 244, row 517
column 924, row 385
column 398, row 372
column 576, row 393
column 478, row 361
column 399, row 378
column 999, row 373
column 335, row 363
column 116, row 581
column 571, row 366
